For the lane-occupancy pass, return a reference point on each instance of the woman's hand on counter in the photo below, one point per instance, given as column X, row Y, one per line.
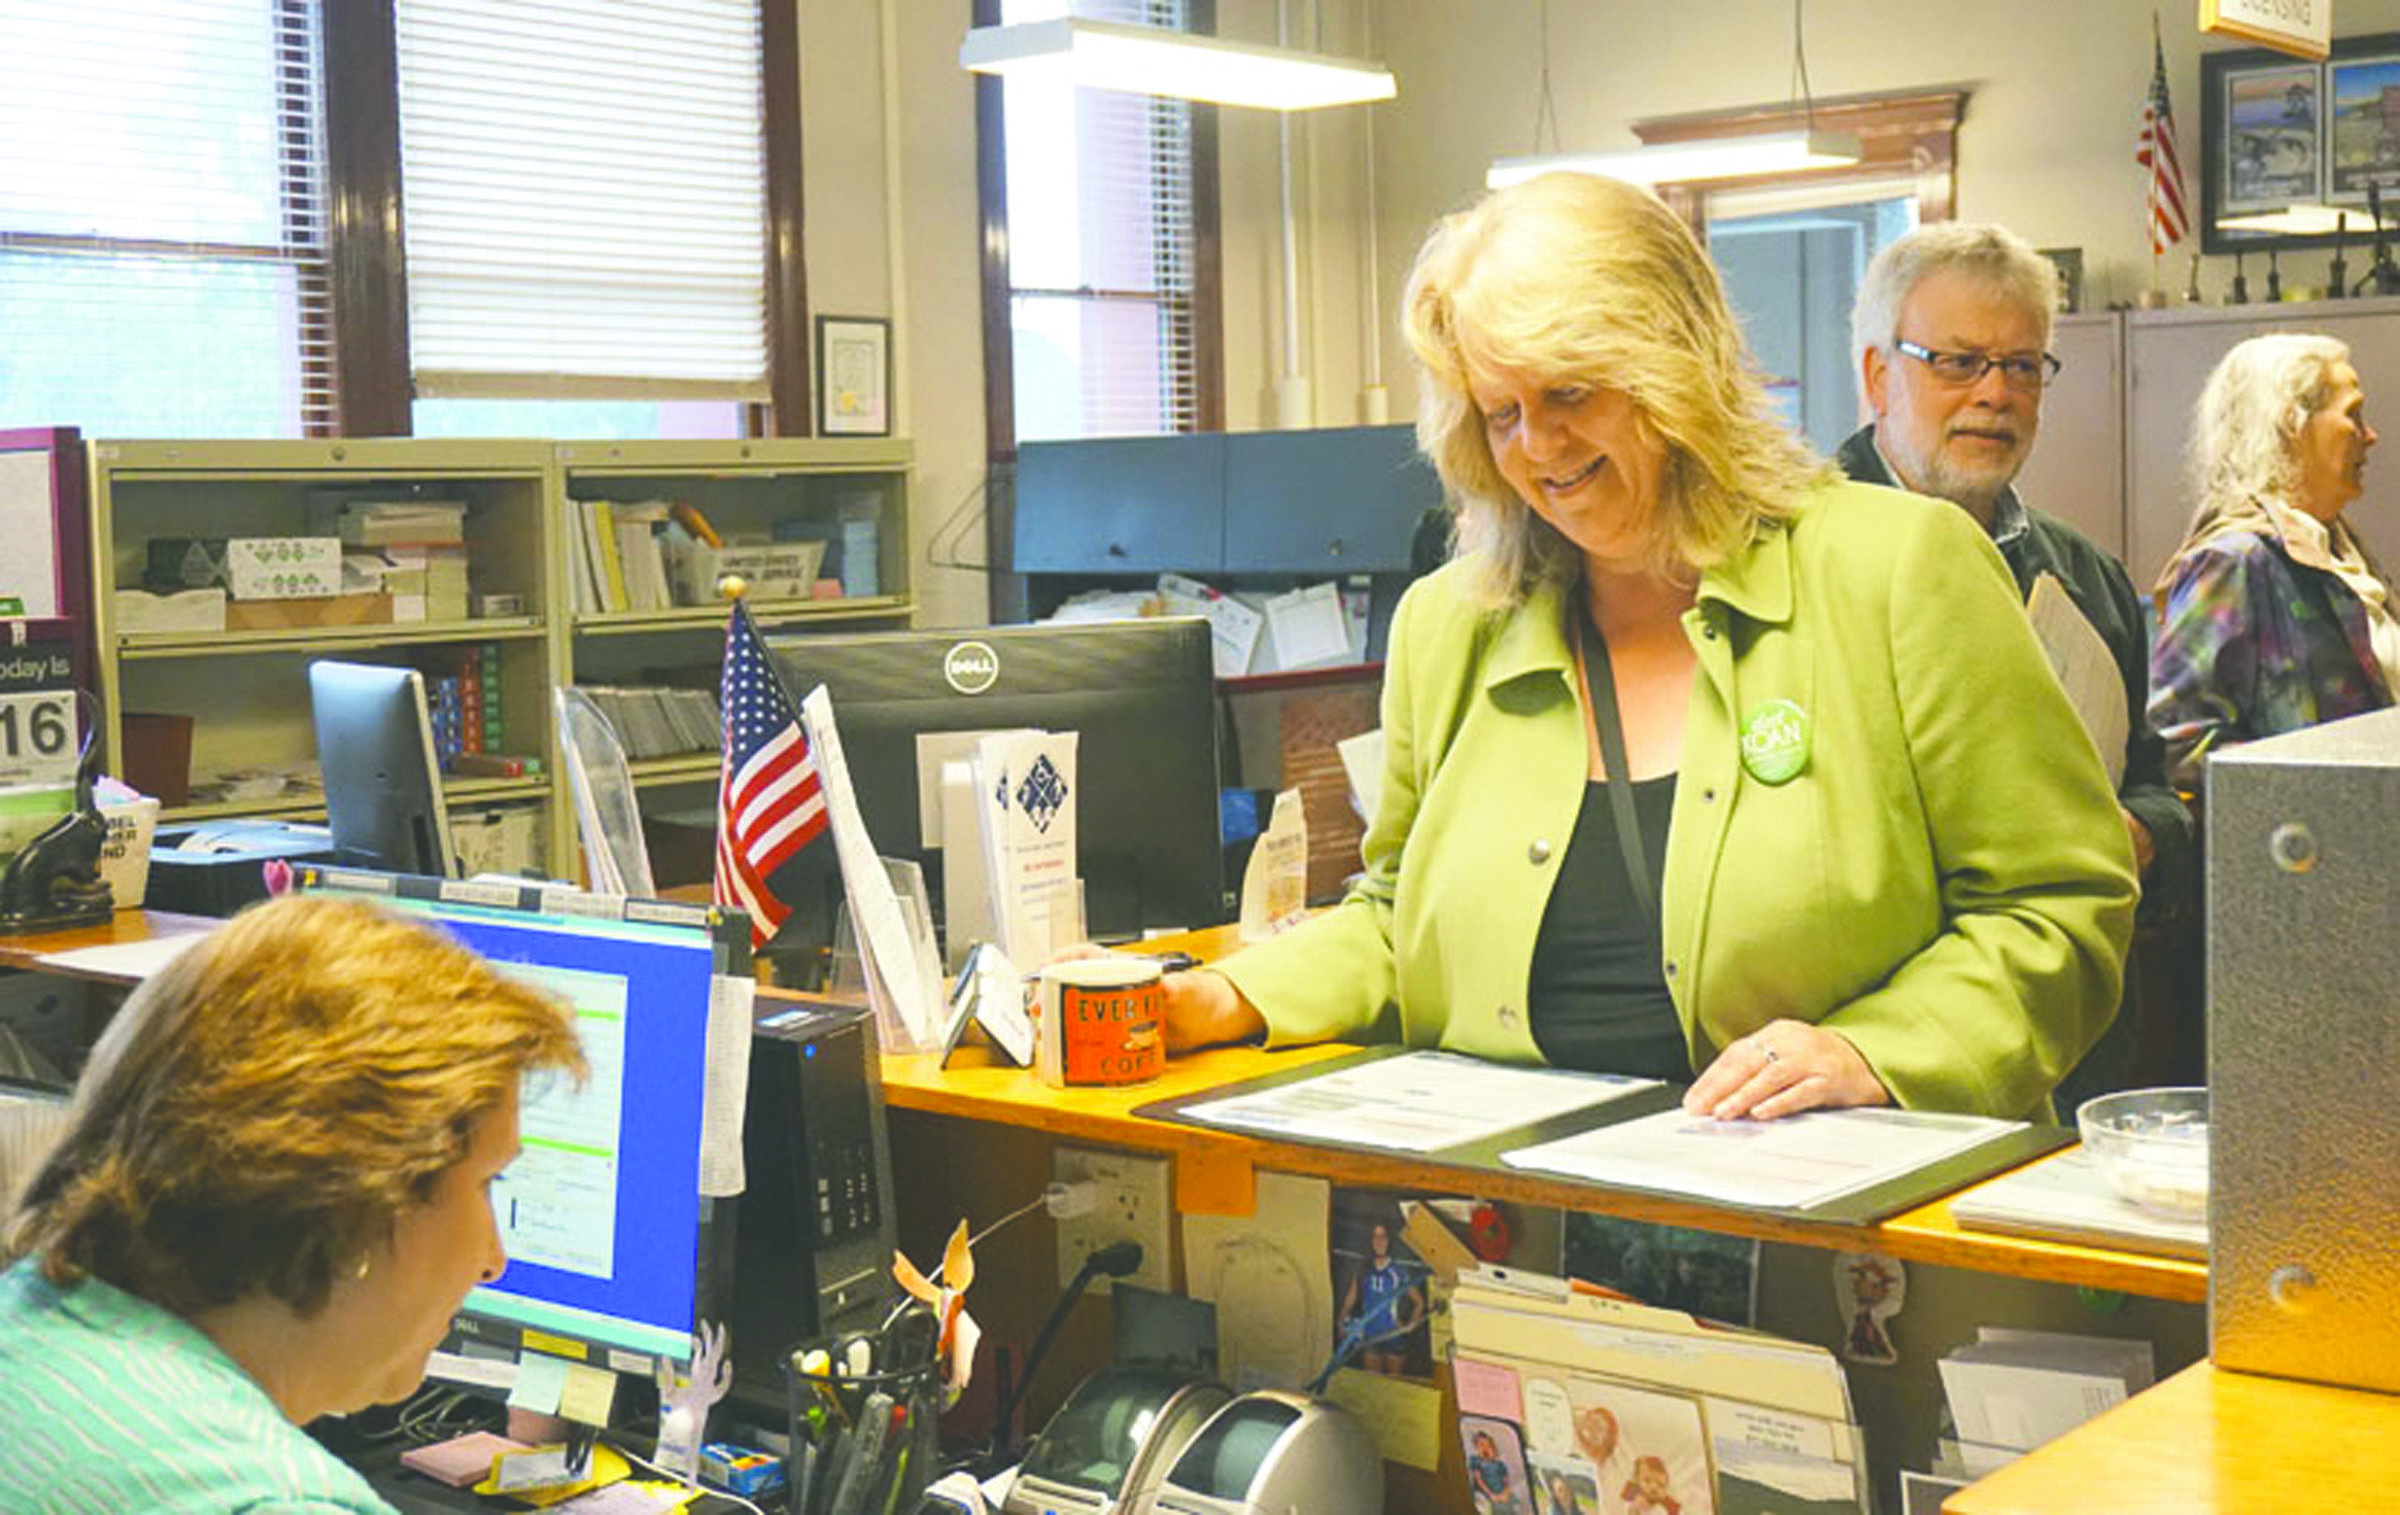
column 1203, row 1009
column 1783, row 1068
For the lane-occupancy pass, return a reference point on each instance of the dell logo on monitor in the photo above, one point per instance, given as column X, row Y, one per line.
column 971, row 667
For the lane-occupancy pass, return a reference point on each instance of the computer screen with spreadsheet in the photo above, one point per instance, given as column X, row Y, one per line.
column 611, row 1247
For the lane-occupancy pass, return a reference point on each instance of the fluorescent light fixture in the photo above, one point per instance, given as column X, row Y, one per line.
column 1150, row 60
column 1707, row 158
column 2307, row 221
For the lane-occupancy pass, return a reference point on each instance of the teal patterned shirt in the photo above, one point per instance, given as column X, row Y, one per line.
column 115, row 1405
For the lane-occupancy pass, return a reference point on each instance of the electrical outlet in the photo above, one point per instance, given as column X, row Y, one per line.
column 1132, row 1202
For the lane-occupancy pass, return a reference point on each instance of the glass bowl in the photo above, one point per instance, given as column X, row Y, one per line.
column 2153, row 1145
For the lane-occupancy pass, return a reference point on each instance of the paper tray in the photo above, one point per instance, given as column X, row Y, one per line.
column 1862, row 1208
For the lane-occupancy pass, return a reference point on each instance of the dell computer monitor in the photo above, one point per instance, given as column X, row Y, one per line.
column 613, row 1254
column 1140, row 693
column 383, row 787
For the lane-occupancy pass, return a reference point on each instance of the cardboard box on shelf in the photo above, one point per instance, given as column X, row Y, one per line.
column 283, row 568
column 322, row 611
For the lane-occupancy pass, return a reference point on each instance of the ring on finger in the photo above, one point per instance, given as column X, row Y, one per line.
column 1767, row 1052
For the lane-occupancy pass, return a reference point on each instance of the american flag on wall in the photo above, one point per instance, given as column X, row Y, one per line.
column 2157, row 154
column 769, row 803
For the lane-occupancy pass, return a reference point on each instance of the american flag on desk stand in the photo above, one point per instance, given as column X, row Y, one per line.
column 2157, row 154
column 769, row 803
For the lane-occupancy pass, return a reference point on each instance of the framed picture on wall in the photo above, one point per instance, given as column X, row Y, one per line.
column 854, row 376
column 2363, row 146
column 2277, row 133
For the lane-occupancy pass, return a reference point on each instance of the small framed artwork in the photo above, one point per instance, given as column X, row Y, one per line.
column 2363, row 146
column 854, row 376
column 2069, row 263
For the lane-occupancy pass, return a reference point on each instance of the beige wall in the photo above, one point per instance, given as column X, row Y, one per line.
column 2055, row 90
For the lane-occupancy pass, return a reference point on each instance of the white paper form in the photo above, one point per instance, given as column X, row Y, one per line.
column 1791, row 1163
column 730, row 1003
column 29, row 570
column 1268, row 1275
column 1416, row 1102
column 1233, row 627
column 883, row 932
column 2086, row 669
column 1308, row 626
column 124, row 961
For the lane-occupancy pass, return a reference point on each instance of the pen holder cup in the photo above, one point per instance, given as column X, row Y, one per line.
column 842, row 1463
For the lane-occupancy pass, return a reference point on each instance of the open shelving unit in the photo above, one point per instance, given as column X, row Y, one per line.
column 245, row 693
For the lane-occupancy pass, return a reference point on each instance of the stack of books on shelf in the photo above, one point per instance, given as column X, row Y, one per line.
column 462, row 694
column 414, row 551
column 619, row 562
column 655, row 722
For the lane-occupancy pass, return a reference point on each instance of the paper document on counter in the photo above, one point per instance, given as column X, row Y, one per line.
column 2086, row 670
column 1416, row 1102
column 893, row 957
column 1786, row 1164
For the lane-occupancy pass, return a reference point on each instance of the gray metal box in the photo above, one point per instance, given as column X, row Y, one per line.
column 2304, row 1054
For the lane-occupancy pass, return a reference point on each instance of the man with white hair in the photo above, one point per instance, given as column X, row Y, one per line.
column 1950, row 332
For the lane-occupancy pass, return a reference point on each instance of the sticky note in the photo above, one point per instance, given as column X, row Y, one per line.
column 586, row 1394
column 540, row 1381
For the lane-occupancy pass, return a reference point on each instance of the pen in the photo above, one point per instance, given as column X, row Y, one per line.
column 891, row 1497
column 867, row 1442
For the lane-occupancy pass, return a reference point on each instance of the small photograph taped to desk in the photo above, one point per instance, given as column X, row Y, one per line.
column 1140, row 694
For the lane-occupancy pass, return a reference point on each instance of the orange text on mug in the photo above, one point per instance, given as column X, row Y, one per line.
column 1100, row 1022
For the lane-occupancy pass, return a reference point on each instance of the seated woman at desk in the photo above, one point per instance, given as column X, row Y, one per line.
column 1699, row 759
column 2277, row 616
column 272, row 1193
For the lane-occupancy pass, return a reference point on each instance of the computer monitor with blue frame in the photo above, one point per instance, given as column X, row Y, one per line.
column 614, row 1254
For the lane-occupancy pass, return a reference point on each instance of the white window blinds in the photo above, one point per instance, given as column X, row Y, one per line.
column 583, row 196
column 1101, row 249
column 162, row 219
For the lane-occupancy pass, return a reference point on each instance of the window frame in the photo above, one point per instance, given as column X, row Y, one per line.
column 999, row 335
column 1913, row 134
column 375, row 387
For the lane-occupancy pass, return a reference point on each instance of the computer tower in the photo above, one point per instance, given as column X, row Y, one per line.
column 815, row 1235
column 2304, row 1054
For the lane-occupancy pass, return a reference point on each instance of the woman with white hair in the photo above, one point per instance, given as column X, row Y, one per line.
column 1699, row 759
column 2277, row 616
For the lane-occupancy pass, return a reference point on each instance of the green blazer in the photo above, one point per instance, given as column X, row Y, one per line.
column 1946, row 881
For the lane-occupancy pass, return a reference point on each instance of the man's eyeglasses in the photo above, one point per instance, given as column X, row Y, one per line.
column 2027, row 371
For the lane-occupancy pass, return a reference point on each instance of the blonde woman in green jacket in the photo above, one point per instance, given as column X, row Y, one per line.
column 1700, row 761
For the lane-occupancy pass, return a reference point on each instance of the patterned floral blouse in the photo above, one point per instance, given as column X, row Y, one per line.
column 2256, row 642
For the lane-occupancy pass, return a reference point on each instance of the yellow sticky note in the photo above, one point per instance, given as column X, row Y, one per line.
column 1405, row 1416
column 586, row 1394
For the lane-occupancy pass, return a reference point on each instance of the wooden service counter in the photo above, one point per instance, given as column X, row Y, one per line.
column 2208, row 1442
column 975, row 1139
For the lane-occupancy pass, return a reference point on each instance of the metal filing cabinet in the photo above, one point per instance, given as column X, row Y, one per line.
column 2304, row 1054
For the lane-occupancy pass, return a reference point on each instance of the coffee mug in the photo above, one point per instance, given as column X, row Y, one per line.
column 1101, row 1022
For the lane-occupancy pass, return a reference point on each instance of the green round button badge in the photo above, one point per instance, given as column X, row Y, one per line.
column 1775, row 742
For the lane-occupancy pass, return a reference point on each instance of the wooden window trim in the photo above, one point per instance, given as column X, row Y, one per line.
column 1208, row 285
column 367, row 252
column 791, row 411
column 1911, row 135
column 362, row 166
